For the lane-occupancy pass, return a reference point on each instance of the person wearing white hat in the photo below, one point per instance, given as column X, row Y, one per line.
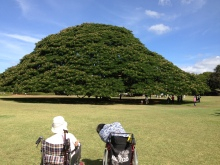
column 58, row 127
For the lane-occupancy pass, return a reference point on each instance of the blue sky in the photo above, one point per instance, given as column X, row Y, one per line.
column 185, row 32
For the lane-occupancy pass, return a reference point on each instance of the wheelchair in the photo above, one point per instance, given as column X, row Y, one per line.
column 120, row 149
column 58, row 154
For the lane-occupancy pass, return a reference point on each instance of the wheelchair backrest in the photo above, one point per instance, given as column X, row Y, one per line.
column 53, row 153
column 120, row 147
column 120, row 142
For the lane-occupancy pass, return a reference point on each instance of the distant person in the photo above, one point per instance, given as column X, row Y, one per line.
column 194, row 100
column 198, row 98
column 105, row 129
column 146, row 99
column 172, row 98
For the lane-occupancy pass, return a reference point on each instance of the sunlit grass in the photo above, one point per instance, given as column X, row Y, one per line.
column 165, row 133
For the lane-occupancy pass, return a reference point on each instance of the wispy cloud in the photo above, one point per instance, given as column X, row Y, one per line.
column 165, row 2
column 23, row 4
column 131, row 18
column 194, row 4
column 6, row 45
column 186, row 1
column 159, row 29
column 12, row 50
column 23, row 38
column 32, row 10
column 206, row 65
column 153, row 14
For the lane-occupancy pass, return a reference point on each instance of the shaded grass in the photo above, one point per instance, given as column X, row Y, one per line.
column 165, row 133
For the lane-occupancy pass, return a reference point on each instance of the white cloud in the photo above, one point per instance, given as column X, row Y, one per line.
column 23, row 38
column 206, row 65
column 165, row 2
column 159, row 29
column 153, row 14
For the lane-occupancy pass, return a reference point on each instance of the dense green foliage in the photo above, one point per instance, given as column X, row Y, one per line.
column 205, row 78
column 99, row 60
column 215, row 79
column 212, row 80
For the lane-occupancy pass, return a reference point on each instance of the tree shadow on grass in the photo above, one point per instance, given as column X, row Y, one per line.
column 216, row 114
column 92, row 162
column 95, row 101
column 69, row 100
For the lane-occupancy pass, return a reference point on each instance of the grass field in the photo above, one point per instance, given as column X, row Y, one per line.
column 166, row 134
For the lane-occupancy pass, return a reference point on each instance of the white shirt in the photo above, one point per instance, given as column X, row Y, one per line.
column 58, row 139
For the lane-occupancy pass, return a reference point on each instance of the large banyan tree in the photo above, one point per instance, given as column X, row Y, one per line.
column 96, row 60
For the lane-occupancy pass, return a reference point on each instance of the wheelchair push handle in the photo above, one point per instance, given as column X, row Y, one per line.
column 39, row 140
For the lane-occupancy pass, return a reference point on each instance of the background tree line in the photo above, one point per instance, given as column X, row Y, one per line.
column 212, row 79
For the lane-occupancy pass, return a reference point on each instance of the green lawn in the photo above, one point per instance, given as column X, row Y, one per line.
column 165, row 133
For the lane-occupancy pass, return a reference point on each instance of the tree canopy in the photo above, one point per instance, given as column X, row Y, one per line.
column 215, row 79
column 99, row 60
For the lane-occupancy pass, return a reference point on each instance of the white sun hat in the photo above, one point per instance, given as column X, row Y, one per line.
column 59, row 124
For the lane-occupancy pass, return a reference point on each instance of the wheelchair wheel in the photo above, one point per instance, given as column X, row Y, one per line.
column 105, row 158
column 135, row 158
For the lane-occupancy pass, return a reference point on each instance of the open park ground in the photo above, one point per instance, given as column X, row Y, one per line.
column 166, row 134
